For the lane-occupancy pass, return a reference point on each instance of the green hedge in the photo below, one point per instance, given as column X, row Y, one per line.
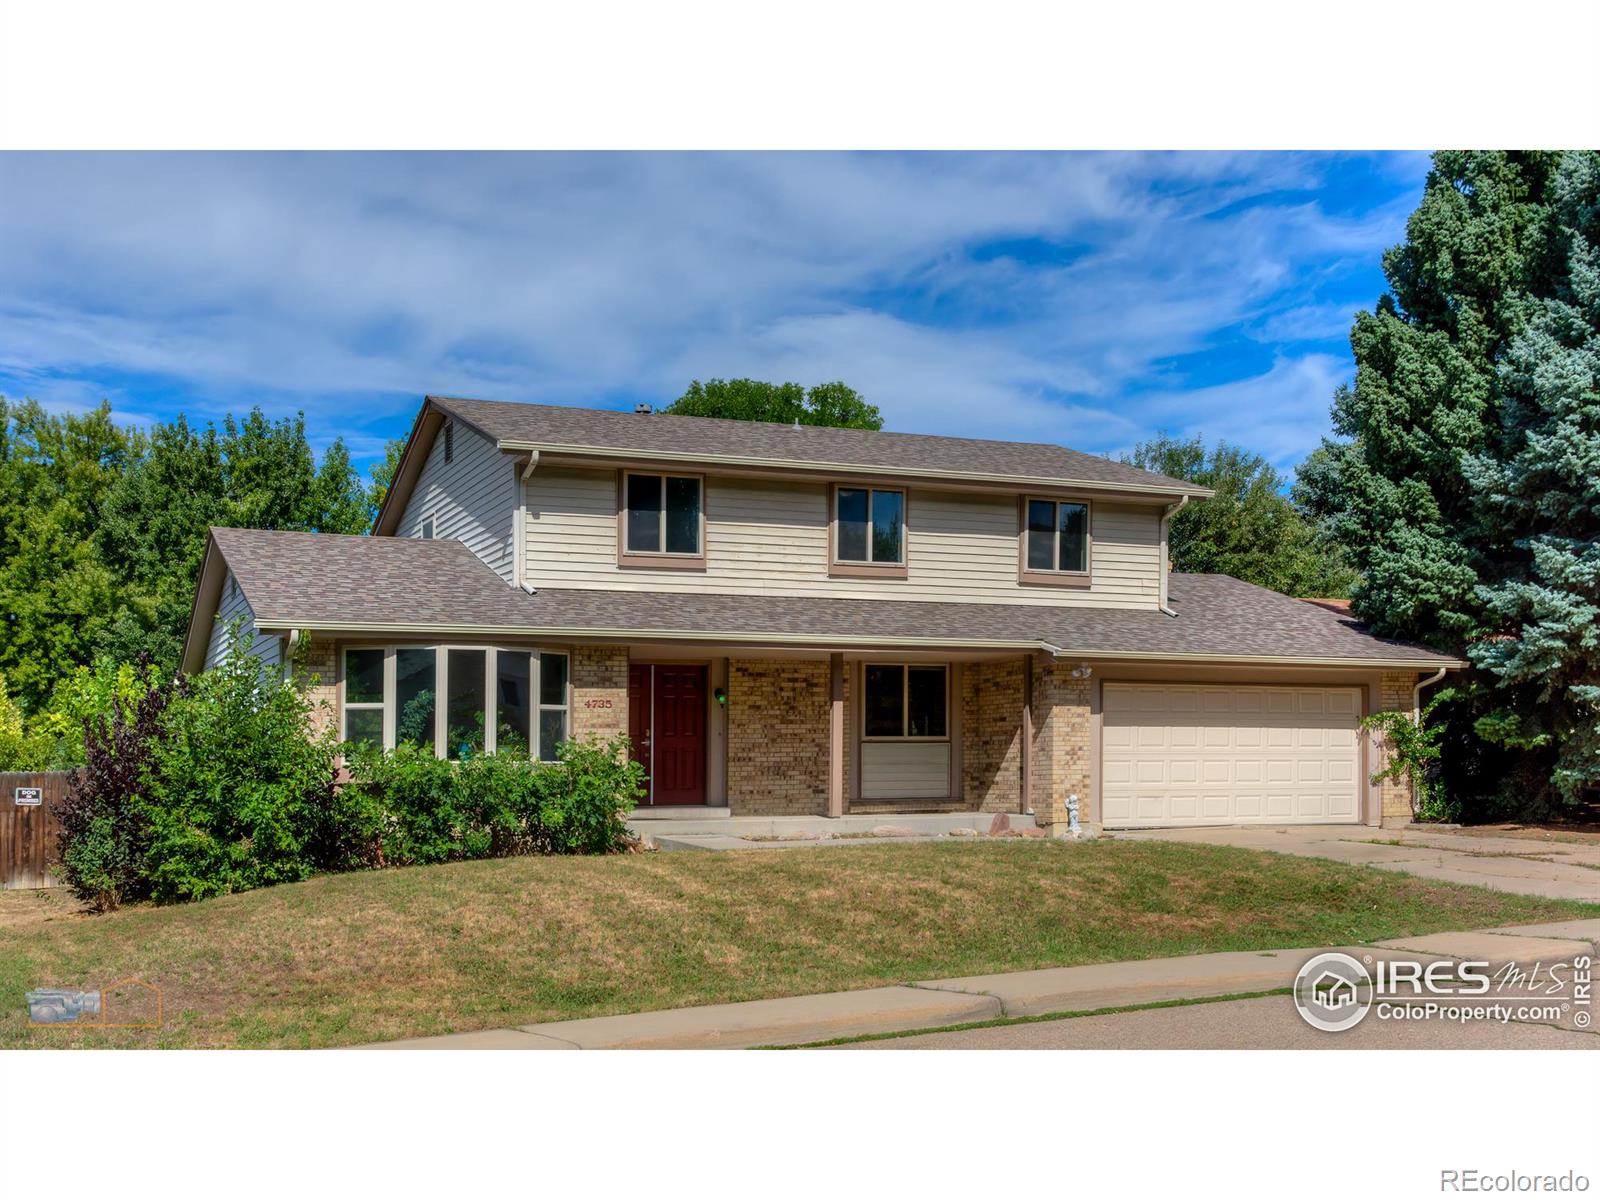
column 200, row 786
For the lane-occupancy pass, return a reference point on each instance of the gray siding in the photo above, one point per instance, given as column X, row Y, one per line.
column 472, row 498
column 767, row 535
column 232, row 605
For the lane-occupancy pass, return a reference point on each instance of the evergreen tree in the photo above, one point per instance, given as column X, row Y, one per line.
column 1249, row 529
column 1539, row 495
column 1407, row 492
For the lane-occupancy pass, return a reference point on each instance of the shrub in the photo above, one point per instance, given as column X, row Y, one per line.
column 413, row 808
column 584, row 802
column 21, row 748
column 239, row 786
column 106, row 815
column 1413, row 753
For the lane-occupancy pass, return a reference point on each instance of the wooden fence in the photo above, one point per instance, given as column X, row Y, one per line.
column 30, row 832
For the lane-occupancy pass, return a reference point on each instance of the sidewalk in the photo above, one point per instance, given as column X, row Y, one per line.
column 935, row 1003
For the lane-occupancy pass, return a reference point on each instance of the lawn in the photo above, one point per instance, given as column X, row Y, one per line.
column 367, row 957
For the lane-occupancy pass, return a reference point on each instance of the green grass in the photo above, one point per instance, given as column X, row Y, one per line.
column 371, row 956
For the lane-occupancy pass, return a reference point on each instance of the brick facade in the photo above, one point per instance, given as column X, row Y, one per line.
column 1061, row 744
column 991, row 727
column 1395, row 695
column 599, row 691
column 778, row 737
column 318, row 665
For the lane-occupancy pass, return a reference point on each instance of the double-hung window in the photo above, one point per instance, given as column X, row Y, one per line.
column 1055, row 542
column 906, row 701
column 869, row 531
column 458, row 701
column 662, row 520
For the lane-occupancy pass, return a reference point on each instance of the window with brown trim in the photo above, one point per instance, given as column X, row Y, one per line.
column 660, row 520
column 1054, row 542
column 868, row 532
column 902, row 700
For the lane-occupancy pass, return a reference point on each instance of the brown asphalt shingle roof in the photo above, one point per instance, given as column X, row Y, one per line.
column 311, row 580
column 549, row 424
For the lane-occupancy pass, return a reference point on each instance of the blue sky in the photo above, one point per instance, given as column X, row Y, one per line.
column 1086, row 299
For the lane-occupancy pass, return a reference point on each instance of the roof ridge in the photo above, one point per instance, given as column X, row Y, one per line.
column 737, row 421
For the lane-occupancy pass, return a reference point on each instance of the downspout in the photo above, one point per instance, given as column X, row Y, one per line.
column 1416, row 692
column 1166, row 558
column 519, row 535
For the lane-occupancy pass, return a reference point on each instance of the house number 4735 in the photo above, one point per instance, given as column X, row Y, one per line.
column 597, row 703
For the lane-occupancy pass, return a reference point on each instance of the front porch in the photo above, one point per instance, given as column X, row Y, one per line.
column 778, row 740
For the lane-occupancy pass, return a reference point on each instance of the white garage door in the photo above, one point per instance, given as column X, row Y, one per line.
column 1198, row 754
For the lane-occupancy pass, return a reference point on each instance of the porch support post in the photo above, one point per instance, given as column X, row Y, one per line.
column 1025, row 800
column 836, row 735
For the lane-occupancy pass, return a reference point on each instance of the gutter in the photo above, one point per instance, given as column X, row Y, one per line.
column 746, row 637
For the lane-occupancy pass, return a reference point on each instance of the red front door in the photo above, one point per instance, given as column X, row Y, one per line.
column 667, row 725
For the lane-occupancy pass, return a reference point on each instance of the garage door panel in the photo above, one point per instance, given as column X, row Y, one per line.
column 1208, row 754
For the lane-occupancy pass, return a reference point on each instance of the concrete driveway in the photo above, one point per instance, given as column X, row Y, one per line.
column 1561, row 870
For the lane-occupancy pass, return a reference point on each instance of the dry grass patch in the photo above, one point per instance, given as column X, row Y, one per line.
column 378, row 955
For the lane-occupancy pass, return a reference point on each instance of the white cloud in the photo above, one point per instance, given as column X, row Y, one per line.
column 306, row 280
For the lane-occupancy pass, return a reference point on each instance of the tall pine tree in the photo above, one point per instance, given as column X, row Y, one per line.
column 1539, row 496
column 1409, row 492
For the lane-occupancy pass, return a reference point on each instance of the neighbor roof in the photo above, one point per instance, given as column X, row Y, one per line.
column 708, row 439
column 342, row 583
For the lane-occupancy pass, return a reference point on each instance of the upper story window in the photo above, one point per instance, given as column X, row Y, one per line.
column 1055, row 542
column 869, row 532
column 427, row 528
column 662, row 521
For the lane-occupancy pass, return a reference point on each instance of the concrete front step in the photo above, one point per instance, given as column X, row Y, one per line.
column 925, row 824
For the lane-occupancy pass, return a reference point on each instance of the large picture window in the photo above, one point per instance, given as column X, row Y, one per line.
column 458, row 701
column 869, row 529
column 905, row 701
column 662, row 515
column 1055, row 540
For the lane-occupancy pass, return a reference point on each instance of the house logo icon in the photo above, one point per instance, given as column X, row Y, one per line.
column 1333, row 992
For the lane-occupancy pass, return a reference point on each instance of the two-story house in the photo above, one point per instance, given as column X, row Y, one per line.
column 816, row 621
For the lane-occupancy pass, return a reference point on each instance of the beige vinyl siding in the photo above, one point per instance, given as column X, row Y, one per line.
column 233, row 606
column 772, row 536
column 472, row 498
column 905, row 770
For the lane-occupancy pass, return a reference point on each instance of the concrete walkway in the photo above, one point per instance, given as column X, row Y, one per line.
column 1559, row 870
column 934, row 1003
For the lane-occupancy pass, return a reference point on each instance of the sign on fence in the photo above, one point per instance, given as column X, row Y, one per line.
column 30, row 826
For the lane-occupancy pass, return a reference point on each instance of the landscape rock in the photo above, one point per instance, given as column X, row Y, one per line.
column 963, row 833
column 799, row 835
column 892, row 831
column 1000, row 824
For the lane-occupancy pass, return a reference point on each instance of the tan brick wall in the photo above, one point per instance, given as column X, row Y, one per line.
column 1395, row 695
column 1061, row 744
column 318, row 665
column 599, row 691
column 778, row 737
column 991, row 734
